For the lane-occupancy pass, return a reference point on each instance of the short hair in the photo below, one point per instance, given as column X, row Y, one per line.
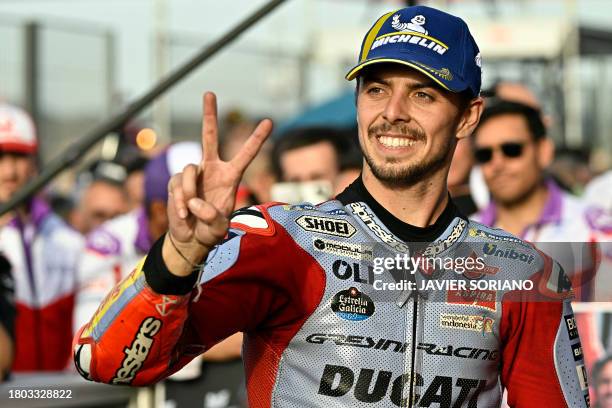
column 599, row 366
column 532, row 116
column 306, row 136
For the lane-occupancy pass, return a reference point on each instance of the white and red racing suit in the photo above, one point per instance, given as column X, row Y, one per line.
column 43, row 254
column 325, row 327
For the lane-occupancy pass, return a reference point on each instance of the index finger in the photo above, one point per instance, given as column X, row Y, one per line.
column 210, row 139
column 252, row 145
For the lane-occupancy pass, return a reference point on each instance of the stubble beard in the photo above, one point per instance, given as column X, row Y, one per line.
column 517, row 199
column 391, row 172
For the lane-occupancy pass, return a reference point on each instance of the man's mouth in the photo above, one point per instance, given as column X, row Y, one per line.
column 396, row 142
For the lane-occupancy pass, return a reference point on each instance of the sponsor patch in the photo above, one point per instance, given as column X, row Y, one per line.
column 386, row 388
column 358, row 341
column 324, row 225
column 577, row 351
column 298, row 207
column 337, row 211
column 340, row 248
column 460, row 352
column 369, row 220
column 137, row 353
column 442, row 245
column 507, row 253
column 582, row 377
column 350, row 304
column 474, row 323
column 485, row 299
column 412, row 32
column 475, row 233
column 570, row 323
column 476, row 273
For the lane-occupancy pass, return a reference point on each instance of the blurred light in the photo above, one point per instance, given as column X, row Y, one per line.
column 146, row 139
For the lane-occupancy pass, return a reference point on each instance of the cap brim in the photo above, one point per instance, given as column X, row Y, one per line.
column 11, row 147
column 353, row 73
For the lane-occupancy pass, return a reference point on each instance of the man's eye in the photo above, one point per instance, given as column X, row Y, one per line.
column 423, row 95
column 374, row 90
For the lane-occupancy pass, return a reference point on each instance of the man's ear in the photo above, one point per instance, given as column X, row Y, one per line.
column 546, row 152
column 470, row 118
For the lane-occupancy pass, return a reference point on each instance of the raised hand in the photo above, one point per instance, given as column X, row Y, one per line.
column 201, row 198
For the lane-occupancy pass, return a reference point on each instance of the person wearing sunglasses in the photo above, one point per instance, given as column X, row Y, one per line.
column 512, row 148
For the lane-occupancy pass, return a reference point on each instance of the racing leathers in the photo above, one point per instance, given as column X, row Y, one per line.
column 43, row 252
column 324, row 326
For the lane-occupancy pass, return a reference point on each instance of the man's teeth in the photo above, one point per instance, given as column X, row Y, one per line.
column 395, row 141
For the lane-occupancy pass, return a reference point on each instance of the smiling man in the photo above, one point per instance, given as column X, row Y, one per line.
column 298, row 280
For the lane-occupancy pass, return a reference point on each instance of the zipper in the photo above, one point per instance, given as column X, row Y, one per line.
column 415, row 311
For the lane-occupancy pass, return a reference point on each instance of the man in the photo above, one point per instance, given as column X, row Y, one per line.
column 42, row 251
column 134, row 182
column 298, row 280
column 310, row 156
column 602, row 380
column 103, row 198
column 511, row 146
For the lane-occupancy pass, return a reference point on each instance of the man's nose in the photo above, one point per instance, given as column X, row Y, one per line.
column 498, row 160
column 397, row 109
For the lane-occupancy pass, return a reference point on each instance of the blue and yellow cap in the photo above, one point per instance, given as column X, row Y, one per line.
column 431, row 41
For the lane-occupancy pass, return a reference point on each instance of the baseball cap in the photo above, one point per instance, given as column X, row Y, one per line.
column 428, row 40
column 169, row 162
column 17, row 131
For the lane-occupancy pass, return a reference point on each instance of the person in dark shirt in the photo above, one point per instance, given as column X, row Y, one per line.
column 7, row 317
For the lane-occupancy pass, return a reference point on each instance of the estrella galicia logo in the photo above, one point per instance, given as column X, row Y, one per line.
column 350, row 304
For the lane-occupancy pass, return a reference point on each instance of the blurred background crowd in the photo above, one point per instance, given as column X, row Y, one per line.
column 539, row 165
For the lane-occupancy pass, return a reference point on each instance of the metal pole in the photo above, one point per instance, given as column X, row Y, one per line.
column 79, row 148
column 161, row 107
column 31, row 77
column 572, row 88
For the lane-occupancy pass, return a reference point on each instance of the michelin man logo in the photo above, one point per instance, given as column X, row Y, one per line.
column 416, row 24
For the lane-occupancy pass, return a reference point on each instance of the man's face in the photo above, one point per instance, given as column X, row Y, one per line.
column 16, row 170
column 101, row 202
column 603, row 388
column 407, row 124
column 510, row 179
column 315, row 162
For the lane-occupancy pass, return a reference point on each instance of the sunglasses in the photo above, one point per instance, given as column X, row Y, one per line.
column 509, row 149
